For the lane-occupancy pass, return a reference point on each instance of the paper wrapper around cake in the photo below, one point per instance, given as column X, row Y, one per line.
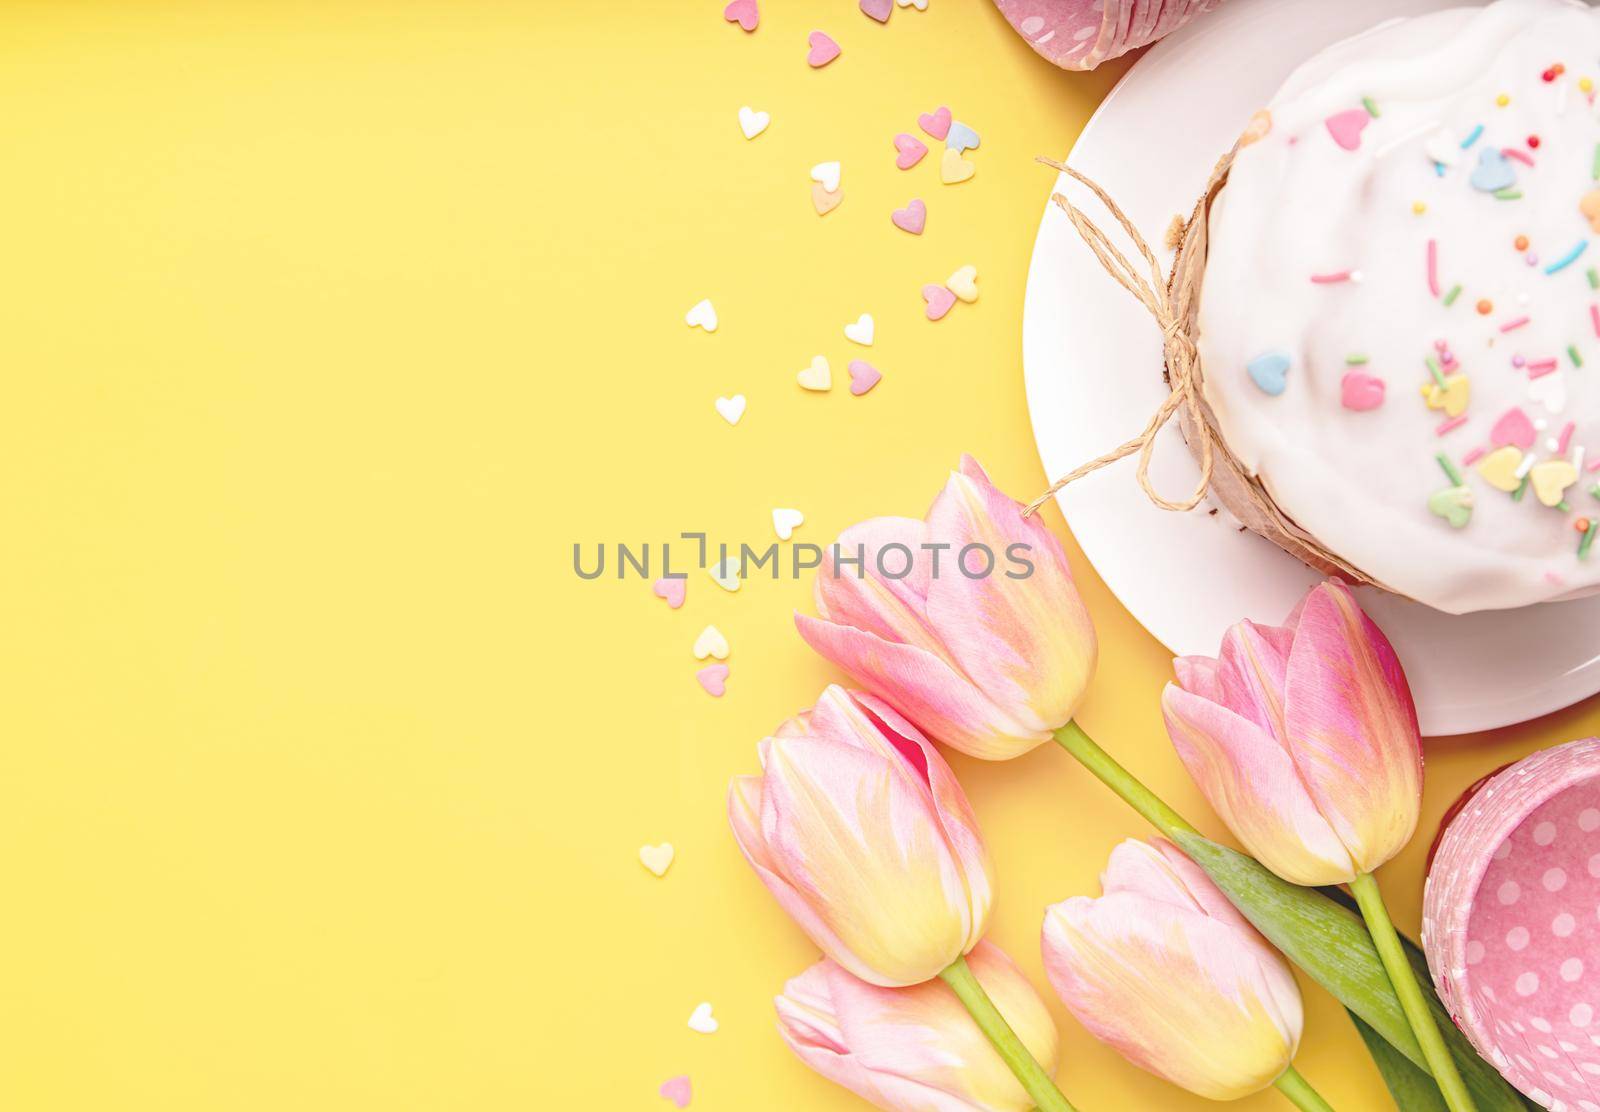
column 1239, row 492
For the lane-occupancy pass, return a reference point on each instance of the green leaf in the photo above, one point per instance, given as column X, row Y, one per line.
column 1330, row 942
column 1412, row 1089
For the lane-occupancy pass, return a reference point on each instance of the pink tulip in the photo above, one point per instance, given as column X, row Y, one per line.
column 858, row 827
column 1162, row 968
column 989, row 659
column 916, row 1049
column 1304, row 739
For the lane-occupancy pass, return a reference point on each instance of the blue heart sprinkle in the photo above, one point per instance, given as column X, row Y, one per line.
column 1269, row 372
column 960, row 138
column 1494, row 171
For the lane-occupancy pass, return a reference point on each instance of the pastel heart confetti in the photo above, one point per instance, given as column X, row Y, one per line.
column 964, row 284
column 877, row 9
column 913, row 218
column 823, row 50
column 725, row 573
column 1360, row 391
column 743, row 12
column 714, row 678
column 1501, row 467
column 827, row 174
column 818, row 376
column 753, row 123
column 1551, row 478
column 671, row 588
column 936, row 123
column 960, row 137
column 1270, row 372
column 863, row 377
column 1513, row 427
column 658, row 859
column 1494, row 172
column 1589, row 206
column 1346, row 127
column 702, row 315
column 939, row 301
column 920, row 5
column 785, row 522
column 861, row 331
column 1454, row 504
column 1452, row 396
column 711, row 642
column 822, row 200
column 910, row 148
column 953, row 169
column 731, row 409
column 700, row 1020
column 677, row 1090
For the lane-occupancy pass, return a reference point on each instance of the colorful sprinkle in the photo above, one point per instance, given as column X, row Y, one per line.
column 1449, row 298
column 1335, row 276
column 671, row 588
column 1502, row 100
column 1588, row 540
column 1354, row 360
column 1346, row 127
column 1484, row 306
column 712, row 641
column 1572, row 354
column 1513, row 324
column 1508, row 194
column 1433, row 267
column 1451, row 424
column 1269, row 371
column 1569, row 258
column 1419, row 207
column 677, row 1089
column 1520, row 243
column 1360, row 391
column 1541, row 368
column 701, row 1020
column 1371, row 106
column 1512, row 152
column 823, row 50
column 1472, row 137
column 658, row 859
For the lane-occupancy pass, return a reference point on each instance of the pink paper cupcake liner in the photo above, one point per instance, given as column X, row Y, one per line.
column 1080, row 34
column 1511, row 924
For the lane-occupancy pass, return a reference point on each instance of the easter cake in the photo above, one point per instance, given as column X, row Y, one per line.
column 1397, row 316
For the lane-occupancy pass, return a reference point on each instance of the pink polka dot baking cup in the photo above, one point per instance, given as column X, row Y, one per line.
column 1511, row 923
column 1080, row 34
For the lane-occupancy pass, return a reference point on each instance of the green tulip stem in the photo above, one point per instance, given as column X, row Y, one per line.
column 1300, row 1094
column 1072, row 738
column 1404, row 979
column 960, row 978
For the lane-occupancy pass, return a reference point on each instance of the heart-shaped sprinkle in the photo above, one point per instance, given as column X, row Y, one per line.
column 961, row 138
column 913, row 218
column 827, row 174
column 1452, row 397
column 732, row 408
column 823, row 201
column 964, row 284
column 910, row 148
column 861, row 331
column 920, row 5
column 863, row 377
column 1270, row 372
column 823, row 50
column 703, row 315
column 700, row 1020
column 1589, row 206
column 753, row 123
column 1513, row 427
column 785, row 522
column 743, row 12
column 937, row 123
column 711, row 642
column 658, row 859
column 1494, row 171
column 818, row 376
column 725, row 573
column 877, row 9
column 1500, row 468
column 672, row 589
column 677, row 1090
column 1454, row 504
column 714, row 678
column 1346, row 127
column 1361, row 391
column 1551, row 478
column 953, row 169
column 939, row 301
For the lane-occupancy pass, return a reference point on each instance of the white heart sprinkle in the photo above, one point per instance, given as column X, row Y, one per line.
column 920, row 5
column 700, row 1020
column 828, row 174
column 703, row 315
column 785, row 522
column 862, row 331
column 753, row 123
column 658, row 859
column 731, row 408
column 725, row 574
column 711, row 642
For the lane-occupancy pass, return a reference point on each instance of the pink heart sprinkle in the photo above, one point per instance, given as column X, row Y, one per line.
column 744, row 13
column 911, row 150
column 939, row 301
column 913, row 218
column 1346, row 127
column 676, row 1089
column 863, row 377
column 672, row 590
column 823, row 50
column 1512, row 428
column 1361, row 391
column 714, row 678
column 936, row 124
column 878, row 9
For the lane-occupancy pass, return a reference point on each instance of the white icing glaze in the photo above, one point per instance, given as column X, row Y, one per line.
column 1298, row 204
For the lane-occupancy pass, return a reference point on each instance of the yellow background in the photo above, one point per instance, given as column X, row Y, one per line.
column 326, row 329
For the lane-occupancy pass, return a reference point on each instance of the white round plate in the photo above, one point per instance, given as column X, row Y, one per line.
column 1092, row 359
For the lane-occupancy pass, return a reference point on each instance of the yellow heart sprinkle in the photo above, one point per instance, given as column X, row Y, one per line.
column 823, row 201
column 1551, row 479
column 1452, row 397
column 818, row 376
column 953, row 168
column 1499, row 468
column 964, row 284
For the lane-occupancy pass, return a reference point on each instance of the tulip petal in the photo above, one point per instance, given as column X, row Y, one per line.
column 1251, row 672
column 1250, row 781
column 855, row 592
column 1352, row 726
column 1198, row 676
